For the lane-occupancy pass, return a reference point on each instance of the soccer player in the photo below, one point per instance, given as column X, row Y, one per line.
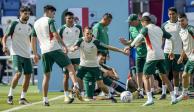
column 100, row 31
column 171, row 26
column 141, row 51
column 109, row 74
column 52, row 48
column 70, row 33
column 187, row 36
column 89, row 66
column 20, row 31
column 155, row 56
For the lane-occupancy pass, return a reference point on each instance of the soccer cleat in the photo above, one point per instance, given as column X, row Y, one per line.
column 10, row 100
column 153, row 95
column 78, row 95
column 162, row 97
column 174, row 102
column 68, row 100
column 183, row 97
column 148, row 103
column 140, row 96
column 87, row 99
column 23, row 101
column 46, row 104
column 113, row 100
column 176, row 95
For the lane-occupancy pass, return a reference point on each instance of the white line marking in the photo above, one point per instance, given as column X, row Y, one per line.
column 23, row 106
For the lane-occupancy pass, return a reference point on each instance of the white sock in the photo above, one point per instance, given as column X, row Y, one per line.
column 173, row 98
column 11, row 92
column 111, row 89
column 185, row 91
column 152, row 90
column 141, row 91
column 23, row 94
column 176, row 90
column 163, row 89
column 82, row 94
column 45, row 99
column 66, row 93
column 149, row 95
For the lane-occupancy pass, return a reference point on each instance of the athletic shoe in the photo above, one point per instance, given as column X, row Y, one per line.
column 183, row 97
column 153, row 95
column 68, row 100
column 140, row 96
column 10, row 100
column 78, row 95
column 174, row 102
column 148, row 103
column 87, row 99
column 113, row 100
column 162, row 97
column 23, row 101
column 46, row 104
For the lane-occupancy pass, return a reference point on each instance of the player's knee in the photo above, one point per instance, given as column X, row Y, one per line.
column 185, row 75
column 17, row 75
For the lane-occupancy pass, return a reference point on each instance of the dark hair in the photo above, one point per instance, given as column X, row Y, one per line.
column 49, row 7
column 24, row 8
column 107, row 15
column 69, row 14
column 182, row 15
column 146, row 18
column 102, row 53
column 172, row 9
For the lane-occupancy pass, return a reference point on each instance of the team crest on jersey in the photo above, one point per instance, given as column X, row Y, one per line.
column 76, row 31
column 66, row 33
column 19, row 28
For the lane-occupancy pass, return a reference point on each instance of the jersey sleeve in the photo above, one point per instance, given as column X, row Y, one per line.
column 81, row 33
column 10, row 29
column 100, row 45
column 78, row 43
column 144, row 31
column 52, row 25
column 165, row 33
column 96, row 32
column 60, row 31
column 191, row 30
column 33, row 34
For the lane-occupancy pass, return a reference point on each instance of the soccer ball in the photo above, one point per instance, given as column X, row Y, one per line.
column 126, row 97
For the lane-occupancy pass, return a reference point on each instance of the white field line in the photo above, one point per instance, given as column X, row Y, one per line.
column 23, row 106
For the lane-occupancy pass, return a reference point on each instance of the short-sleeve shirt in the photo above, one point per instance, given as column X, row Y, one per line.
column 70, row 35
column 20, row 38
column 173, row 29
column 100, row 32
column 141, row 50
column 187, row 36
column 43, row 30
column 153, row 38
column 88, row 52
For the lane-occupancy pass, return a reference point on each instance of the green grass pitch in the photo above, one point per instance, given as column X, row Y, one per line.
column 95, row 106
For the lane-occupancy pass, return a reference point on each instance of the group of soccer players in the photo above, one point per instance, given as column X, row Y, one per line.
column 177, row 37
column 82, row 55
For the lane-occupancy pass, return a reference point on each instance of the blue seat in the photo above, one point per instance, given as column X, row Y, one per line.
column 11, row 4
column 189, row 9
column 188, row 2
column 10, row 13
